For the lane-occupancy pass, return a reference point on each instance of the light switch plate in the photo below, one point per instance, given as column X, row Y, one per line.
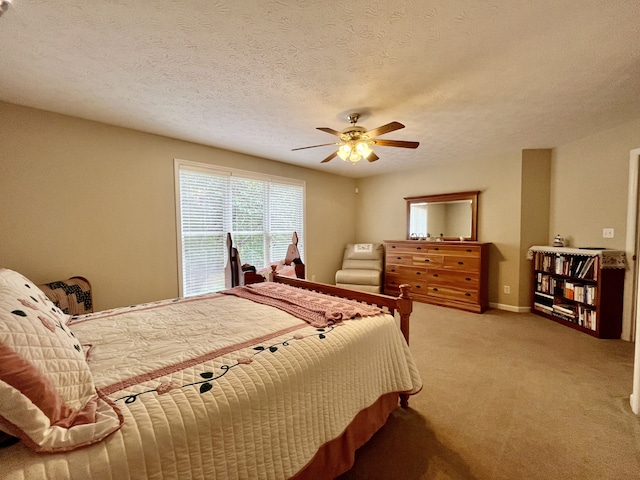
column 607, row 233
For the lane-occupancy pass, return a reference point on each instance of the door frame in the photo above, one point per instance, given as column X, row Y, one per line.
column 632, row 276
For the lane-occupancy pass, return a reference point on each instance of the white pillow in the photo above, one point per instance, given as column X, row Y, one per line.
column 49, row 399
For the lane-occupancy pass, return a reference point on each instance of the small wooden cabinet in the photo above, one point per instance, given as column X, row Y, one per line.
column 451, row 274
column 580, row 288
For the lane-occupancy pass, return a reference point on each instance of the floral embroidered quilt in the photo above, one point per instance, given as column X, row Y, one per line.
column 221, row 387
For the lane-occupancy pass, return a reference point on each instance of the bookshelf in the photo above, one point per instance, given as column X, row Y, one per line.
column 580, row 288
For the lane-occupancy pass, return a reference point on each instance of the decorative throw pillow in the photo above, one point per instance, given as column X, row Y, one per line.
column 49, row 399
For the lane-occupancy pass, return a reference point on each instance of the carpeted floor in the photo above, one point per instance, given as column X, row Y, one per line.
column 509, row 396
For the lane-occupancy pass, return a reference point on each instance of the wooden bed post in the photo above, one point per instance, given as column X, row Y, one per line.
column 405, row 307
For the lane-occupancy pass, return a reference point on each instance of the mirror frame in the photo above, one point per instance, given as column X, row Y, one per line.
column 448, row 197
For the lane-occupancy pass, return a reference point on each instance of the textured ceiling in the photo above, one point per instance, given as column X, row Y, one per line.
column 467, row 78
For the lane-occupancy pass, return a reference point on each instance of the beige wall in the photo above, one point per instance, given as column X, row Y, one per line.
column 535, row 207
column 526, row 198
column 84, row 198
column 382, row 209
column 589, row 187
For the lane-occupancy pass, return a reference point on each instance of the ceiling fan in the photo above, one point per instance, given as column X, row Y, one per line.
column 356, row 141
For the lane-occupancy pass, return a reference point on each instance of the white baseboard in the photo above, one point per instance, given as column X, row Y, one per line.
column 510, row 308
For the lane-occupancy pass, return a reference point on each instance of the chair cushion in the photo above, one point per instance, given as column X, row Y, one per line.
column 363, row 256
column 359, row 277
column 362, row 288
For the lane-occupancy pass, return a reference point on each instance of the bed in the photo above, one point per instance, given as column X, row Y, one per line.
column 272, row 380
column 237, row 273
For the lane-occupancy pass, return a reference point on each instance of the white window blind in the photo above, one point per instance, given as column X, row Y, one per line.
column 261, row 213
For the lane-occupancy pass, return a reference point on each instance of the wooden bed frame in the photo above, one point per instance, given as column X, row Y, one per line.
column 403, row 304
column 235, row 275
column 337, row 455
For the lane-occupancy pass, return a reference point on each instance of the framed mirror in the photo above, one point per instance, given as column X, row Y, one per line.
column 448, row 216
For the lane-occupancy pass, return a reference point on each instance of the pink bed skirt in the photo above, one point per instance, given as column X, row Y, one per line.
column 338, row 455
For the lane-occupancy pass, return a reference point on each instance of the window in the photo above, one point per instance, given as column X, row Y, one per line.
column 261, row 212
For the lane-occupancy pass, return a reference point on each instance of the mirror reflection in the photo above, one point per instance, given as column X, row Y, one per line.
column 449, row 216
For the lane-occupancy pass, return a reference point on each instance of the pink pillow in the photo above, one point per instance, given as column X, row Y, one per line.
column 49, row 399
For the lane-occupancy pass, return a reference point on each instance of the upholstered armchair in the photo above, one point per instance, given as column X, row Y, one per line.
column 362, row 266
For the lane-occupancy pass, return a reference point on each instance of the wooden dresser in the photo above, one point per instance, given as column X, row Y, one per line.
column 451, row 274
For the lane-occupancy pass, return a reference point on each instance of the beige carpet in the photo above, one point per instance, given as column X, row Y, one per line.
column 509, row 396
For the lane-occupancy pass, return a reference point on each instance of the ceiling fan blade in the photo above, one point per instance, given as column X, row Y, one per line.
column 330, row 130
column 389, row 127
column 330, row 157
column 396, row 143
column 372, row 157
column 313, row 146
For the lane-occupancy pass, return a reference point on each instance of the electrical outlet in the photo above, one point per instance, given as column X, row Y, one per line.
column 507, row 289
column 607, row 233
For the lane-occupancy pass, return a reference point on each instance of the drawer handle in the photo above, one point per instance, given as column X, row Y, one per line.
column 393, row 270
column 435, row 289
column 460, row 263
column 467, row 294
column 469, row 250
column 417, row 286
column 468, row 279
column 393, row 246
column 435, row 275
column 419, row 248
column 398, row 258
column 436, row 248
column 418, row 273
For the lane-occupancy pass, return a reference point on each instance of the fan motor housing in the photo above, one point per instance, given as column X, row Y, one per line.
column 353, row 133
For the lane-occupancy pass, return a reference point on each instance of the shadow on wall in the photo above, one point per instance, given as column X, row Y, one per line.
column 406, row 447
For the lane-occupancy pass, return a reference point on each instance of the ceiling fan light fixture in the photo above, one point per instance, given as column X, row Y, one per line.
column 354, row 151
column 363, row 149
column 344, row 152
column 355, row 157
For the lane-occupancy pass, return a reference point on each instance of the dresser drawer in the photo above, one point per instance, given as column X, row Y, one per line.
column 451, row 293
column 392, row 284
column 427, row 260
column 399, row 258
column 411, row 248
column 461, row 263
column 407, row 271
column 467, row 281
column 460, row 251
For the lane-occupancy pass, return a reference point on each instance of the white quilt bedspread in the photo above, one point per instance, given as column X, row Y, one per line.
column 219, row 387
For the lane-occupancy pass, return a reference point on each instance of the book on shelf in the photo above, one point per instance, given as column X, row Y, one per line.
column 569, row 289
column 587, row 317
column 564, row 310
column 585, row 294
column 587, row 267
column 544, row 299
column 543, row 308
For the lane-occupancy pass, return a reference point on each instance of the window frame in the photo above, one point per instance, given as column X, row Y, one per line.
column 206, row 168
